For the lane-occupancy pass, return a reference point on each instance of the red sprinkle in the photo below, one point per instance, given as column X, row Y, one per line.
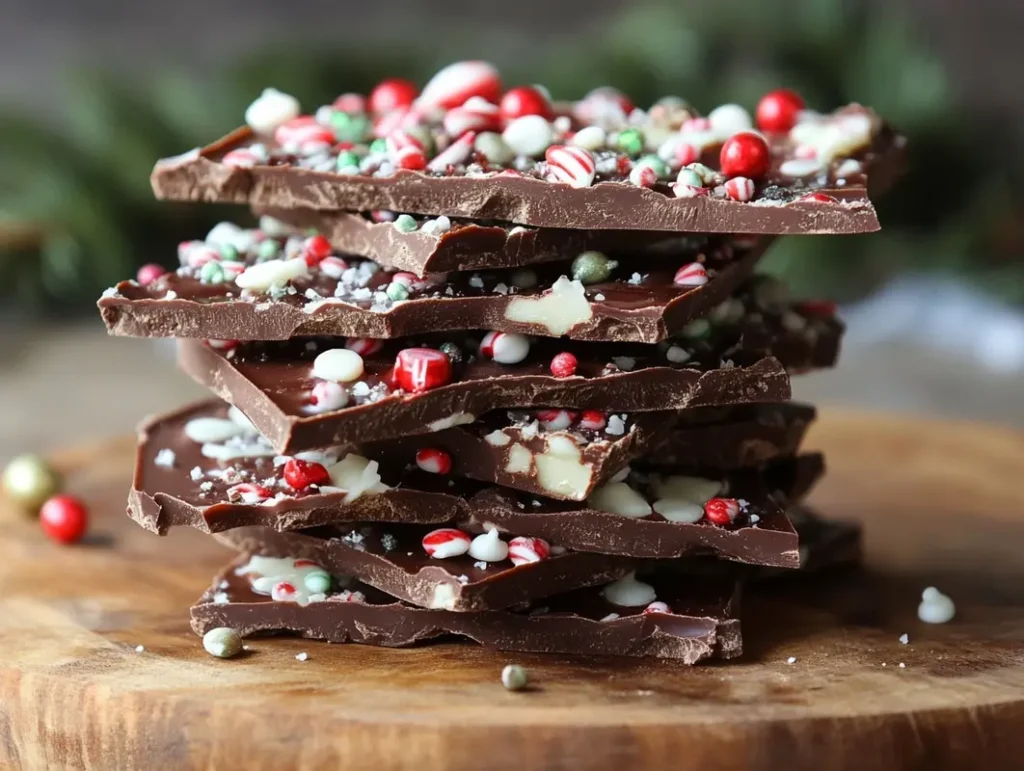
column 563, row 365
column 745, row 154
column 411, row 158
column 64, row 518
column 817, row 198
column 392, row 93
column 524, row 100
column 593, row 419
column 149, row 273
column 315, row 248
column 778, row 110
column 300, row 474
column 721, row 511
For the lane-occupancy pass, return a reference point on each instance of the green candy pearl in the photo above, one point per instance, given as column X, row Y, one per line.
column 631, row 141
column 405, row 223
column 228, row 252
column 378, row 146
column 592, row 268
column 659, row 166
column 397, row 291
column 350, row 128
column 347, row 159
column 267, row 250
column 317, row 583
column 212, row 273
column 29, row 481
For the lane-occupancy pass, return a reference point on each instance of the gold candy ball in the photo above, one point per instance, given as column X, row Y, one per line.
column 29, row 481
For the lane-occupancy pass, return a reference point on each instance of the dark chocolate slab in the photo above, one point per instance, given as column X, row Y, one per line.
column 350, row 296
column 795, row 196
column 738, row 362
column 443, row 245
column 181, row 482
column 702, row 621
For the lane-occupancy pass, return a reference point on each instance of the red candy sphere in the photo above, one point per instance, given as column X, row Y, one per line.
column 778, row 110
column 524, row 100
column 563, row 365
column 149, row 273
column 300, row 474
column 391, row 94
column 421, row 369
column 745, row 154
column 721, row 511
column 64, row 518
column 315, row 249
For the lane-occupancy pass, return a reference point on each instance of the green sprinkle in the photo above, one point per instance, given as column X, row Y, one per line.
column 347, row 160
column 212, row 273
column 592, row 267
column 267, row 250
column 350, row 128
column 378, row 146
column 397, row 291
column 659, row 166
column 631, row 141
column 228, row 252
column 318, row 582
column 405, row 223
column 690, row 177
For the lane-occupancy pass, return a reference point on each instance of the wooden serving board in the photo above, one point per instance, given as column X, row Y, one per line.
column 942, row 506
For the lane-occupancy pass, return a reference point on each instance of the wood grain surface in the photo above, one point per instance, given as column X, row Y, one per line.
column 941, row 505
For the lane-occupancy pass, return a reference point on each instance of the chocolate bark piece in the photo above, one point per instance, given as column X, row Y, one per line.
column 391, row 558
column 211, row 297
column 827, row 195
column 739, row 362
column 534, row 453
column 701, row 621
column 236, row 482
column 442, row 245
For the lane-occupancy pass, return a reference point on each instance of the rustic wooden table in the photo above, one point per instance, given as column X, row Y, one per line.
column 941, row 507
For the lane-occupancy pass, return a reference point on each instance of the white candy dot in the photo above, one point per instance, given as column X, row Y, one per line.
column 339, row 365
column 205, row 430
column 629, row 593
column 590, row 138
column 935, row 607
column 329, row 396
column 270, row 110
column 529, row 135
column 493, row 148
column 619, row 498
column 727, row 119
column 679, row 510
column 488, row 547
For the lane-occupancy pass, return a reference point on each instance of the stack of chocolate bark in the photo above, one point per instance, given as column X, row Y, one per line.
column 497, row 367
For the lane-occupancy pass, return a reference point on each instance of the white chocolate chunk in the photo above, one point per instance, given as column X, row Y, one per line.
column 443, row 598
column 357, row 476
column 558, row 311
column 727, row 119
column 561, row 470
column 488, row 547
column 693, row 489
column 935, row 607
column 497, row 438
column 619, row 498
column 272, row 274
column 267, row 572
column 629, row 593
column 679, row 510
column 458, row 419
column 212, row 429
column 232, row 450
column 339, row 365
column 529, row 135
column 590, row 138
column 235, row 415
column 270, row 110
column 520, row 460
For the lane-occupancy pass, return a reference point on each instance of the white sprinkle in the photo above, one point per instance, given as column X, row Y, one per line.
column 615, row 427
column 599, row 297
column 904, row 638
column 902, row 665
column 140, row 648
column 636, row 278
column 935, row 607
column 476, row 282
column 480, row 565
column 302, row 656
column 791, row 660
column 196, row 473
column 164, row 458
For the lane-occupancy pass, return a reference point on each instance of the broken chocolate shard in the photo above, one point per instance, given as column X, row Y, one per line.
column 249, row 297
column 443, row 245
column 828, row 193
column 739, row 361
column 699, row 621
column 237, row 481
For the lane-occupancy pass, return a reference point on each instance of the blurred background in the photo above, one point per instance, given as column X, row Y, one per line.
column 92, row 92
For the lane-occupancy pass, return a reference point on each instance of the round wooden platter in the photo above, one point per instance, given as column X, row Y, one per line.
column 942, row 507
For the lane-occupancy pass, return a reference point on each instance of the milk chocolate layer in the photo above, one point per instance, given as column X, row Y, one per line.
column 780, row 203
column 176, row 484
column 701, row 622
column 737, row 363
column 443, row 245
column 639, row 302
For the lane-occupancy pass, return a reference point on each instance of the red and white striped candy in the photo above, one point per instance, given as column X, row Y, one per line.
column 399, row 118
column 282, row 591
column 421, row 369
column 593, row 420
column 555, row 420
column 400, row 139
column 303, row 134
column 475, row 115
column 196, row 254
column 411, row 158
column 446, row 542
column 455, row 154
column 721, row 511
column 695, row 126
column 740, row 188
column 350, row 103
column 571, row 165
column 248, row 492
column 242, row 158
column 691, row 274
column 434, row 461
column 656, row 607
column 604, row 103
column 314, row 249
column 222, row 345
column 523, row 550
column 326, row 396
column 685, row 154
column 817, row 198
column 505, row 347
column 457, row 82
column 364, row 346
column 643, row 176
column 333, row 267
